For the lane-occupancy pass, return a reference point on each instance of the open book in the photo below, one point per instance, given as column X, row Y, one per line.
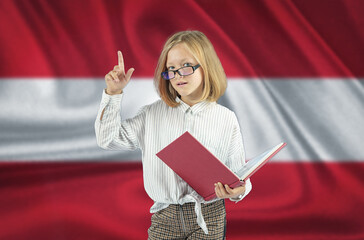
column 190, row 160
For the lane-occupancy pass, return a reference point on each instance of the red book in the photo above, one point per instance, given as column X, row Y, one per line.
column 190, row 160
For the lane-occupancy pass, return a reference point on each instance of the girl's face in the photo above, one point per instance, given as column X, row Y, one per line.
column 189, row 87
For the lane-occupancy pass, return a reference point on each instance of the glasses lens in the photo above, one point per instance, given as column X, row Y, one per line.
column 185, row 71
column 167, row 75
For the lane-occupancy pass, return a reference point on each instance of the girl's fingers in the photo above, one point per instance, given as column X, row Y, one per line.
column 117, row 68
column 121, row 61
column 222, row 189
column 129, row 73
column 114, row 76
column 229, row 190
column 217, row 190
column 108, row 77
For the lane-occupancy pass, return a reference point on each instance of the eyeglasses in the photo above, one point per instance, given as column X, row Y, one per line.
column 183, row 71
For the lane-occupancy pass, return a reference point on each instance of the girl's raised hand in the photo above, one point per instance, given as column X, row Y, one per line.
column 116, row 79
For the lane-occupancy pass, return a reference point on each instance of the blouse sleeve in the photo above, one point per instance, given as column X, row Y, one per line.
column 236, row 157
column 111, row 132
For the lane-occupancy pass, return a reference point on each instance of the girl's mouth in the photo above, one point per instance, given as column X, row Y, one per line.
column 181, row 83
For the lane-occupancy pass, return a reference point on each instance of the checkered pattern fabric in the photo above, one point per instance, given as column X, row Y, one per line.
column 179, row 222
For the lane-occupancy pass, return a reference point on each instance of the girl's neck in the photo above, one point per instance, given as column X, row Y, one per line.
column 190, row 102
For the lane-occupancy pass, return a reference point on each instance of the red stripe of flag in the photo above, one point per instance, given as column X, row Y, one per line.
column 108, row 201
column 252, row 38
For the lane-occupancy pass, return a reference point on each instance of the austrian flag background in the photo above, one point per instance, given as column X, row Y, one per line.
column 295, row 74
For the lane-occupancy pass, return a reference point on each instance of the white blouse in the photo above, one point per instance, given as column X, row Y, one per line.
column 157, row 125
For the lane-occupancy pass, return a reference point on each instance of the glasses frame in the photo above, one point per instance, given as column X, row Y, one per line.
column 177, row 70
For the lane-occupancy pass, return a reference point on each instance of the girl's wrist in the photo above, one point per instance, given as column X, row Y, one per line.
column 108, row 92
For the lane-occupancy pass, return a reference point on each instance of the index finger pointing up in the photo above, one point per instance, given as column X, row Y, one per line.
column 121, row 60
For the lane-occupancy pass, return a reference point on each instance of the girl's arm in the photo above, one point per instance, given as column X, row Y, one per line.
column 235, row 161
column 111, row 132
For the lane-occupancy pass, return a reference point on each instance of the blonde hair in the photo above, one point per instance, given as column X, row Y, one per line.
column 201, row 48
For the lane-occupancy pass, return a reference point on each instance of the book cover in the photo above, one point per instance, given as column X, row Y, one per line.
column 196, row 165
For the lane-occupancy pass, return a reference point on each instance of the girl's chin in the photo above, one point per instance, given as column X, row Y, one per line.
column 183, row 95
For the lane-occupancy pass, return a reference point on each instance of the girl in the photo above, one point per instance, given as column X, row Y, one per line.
column 189, row 79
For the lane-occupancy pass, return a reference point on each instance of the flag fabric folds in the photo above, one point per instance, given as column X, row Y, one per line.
column 294, row 72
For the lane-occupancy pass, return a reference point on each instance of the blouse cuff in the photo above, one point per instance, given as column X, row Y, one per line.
column 111, row 99
column 248, row 188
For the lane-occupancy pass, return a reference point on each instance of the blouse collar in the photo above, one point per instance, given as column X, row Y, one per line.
column 196, row 108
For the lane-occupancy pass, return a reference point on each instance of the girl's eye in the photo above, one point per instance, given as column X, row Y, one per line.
column 187, row 64
column 170, row 68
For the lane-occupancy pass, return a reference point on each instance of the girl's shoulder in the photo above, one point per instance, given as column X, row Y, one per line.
column 224, row 110
column 158, row 105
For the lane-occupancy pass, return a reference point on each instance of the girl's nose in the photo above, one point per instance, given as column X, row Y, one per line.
column 177, row 75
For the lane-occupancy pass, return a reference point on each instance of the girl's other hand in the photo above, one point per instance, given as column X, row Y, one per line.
column 116, row 79
column 227, row 192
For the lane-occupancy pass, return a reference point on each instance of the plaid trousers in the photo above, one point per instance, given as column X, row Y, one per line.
column 179, row 222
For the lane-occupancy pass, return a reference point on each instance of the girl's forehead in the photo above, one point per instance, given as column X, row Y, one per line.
column 179, row 53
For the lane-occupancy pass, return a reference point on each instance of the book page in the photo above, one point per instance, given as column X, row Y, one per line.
column 254, row 164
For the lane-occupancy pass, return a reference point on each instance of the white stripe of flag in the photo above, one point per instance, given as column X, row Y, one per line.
column 46, row 119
